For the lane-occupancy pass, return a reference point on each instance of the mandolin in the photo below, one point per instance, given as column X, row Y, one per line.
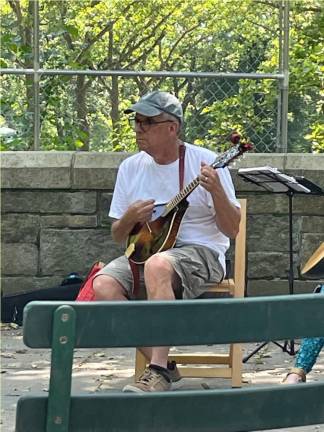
column 160, row 233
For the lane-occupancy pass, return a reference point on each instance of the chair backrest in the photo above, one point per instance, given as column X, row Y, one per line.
column 240, row 254
column 64, row 327
column 235, row 285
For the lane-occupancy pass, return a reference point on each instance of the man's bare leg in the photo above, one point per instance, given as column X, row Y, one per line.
column 107, row 288
column 159, row 277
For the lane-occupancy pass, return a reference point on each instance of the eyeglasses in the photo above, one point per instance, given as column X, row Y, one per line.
column 145, row 125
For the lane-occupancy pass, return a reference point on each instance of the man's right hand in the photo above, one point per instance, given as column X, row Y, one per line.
column 140, row 211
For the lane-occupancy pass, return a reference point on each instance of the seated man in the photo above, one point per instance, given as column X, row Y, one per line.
column 150, row 178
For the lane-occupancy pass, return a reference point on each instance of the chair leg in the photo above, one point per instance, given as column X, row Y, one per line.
column 140, row 363
column 236, row 364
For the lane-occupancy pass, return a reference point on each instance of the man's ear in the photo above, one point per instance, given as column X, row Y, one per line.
column 175, row 127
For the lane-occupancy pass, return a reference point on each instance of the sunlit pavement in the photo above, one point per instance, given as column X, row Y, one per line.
column 26, row 370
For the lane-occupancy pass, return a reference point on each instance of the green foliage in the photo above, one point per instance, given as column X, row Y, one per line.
column 306, row 76
column 317, row 137
column 82, row 113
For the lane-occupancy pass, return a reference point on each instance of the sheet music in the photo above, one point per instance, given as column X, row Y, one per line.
column 272, row 179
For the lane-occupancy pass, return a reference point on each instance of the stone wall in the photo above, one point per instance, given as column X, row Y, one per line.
column 54, row 218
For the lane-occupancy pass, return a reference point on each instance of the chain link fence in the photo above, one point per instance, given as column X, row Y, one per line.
column 213, row 108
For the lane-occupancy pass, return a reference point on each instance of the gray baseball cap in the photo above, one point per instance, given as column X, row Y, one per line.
column 157, row 102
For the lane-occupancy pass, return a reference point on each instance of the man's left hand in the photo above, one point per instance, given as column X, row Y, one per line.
column 208, row 178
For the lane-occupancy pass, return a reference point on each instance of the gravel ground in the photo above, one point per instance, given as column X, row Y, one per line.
column 26, row 370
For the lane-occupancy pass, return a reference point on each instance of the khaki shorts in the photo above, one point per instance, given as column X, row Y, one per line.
column 195, row 265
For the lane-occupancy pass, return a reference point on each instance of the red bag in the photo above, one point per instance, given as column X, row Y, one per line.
column 86, row 292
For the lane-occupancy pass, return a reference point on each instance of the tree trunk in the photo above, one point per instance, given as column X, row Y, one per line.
column 81, row 108
column 114, row 113
column 27, row 37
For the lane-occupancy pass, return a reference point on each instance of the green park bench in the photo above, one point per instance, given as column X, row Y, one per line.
column 65, row 326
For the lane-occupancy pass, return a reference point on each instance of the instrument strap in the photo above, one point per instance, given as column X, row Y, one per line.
column 182, row 151
column 136, row 277
column 134, row 267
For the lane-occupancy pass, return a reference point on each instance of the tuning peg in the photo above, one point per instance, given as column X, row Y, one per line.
column 235, row 138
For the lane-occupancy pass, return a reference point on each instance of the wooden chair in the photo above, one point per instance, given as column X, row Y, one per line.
column 232, row 361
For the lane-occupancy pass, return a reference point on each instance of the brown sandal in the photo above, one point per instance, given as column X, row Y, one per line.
column 298, row 371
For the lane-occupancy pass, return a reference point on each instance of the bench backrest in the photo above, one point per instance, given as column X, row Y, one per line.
column 64, row 327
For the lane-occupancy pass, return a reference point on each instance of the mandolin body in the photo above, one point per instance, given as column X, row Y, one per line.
column 155, row 236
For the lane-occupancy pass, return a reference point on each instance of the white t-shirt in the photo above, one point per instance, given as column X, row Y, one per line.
column 141, row 178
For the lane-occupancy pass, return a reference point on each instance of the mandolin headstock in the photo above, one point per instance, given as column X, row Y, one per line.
column 237, row 150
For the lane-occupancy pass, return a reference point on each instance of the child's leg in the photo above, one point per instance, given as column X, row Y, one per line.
column 310, row 347
column 308, row 352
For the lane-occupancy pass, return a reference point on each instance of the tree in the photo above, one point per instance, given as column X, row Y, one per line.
column 83, row 112
column 17, row 48
column 306, row 78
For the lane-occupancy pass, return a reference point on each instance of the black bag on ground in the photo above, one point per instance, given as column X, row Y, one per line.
column 12, row 306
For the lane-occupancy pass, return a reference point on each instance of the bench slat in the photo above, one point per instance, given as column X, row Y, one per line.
column 229, row 410
column 58, row 407
column 186, row 322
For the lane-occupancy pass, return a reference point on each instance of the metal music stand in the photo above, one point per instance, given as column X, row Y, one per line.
column 274, row 181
